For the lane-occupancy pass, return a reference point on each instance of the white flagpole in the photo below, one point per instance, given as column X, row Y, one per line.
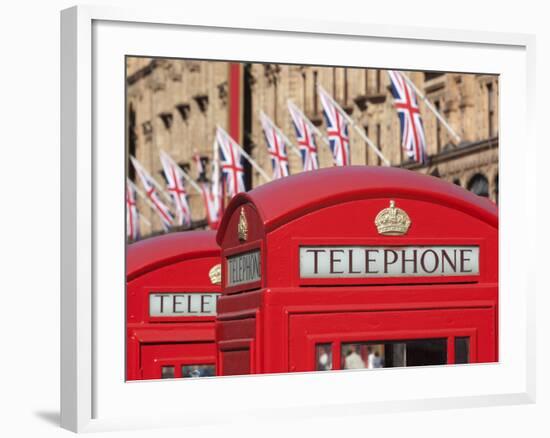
column 248, row 157
column 215, row 167
column 215, row 152
column 432, row 108
column 311, row 125
column 216, row 178
column 136, row 163
column 183, row 173
column 144, row 197
column 281, row 133
column 357, row 128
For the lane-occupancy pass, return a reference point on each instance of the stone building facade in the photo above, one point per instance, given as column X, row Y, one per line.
column 176, row 105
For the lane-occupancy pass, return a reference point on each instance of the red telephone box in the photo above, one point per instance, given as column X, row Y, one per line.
column 357, row 267
column 172, row 291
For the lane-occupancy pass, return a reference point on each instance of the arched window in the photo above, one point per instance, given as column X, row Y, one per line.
column 496, row 188
column 479, row 185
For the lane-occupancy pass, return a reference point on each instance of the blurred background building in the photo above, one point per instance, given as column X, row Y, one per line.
column 175, row 105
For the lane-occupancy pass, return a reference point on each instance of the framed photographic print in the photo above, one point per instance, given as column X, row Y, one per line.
column 307, row 209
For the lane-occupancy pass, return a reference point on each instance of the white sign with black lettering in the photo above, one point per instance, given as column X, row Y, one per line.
column 182, row 304
column 380, row 261
column 243, row 268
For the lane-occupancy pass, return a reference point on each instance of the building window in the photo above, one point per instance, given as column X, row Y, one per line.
column 378, row 81
column 479, row 185
column 432, row 75
column 456, row 182
column 490, row 110
column 366, row 82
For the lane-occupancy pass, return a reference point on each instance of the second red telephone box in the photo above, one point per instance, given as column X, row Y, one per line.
column 357, row 267
column 172, row 291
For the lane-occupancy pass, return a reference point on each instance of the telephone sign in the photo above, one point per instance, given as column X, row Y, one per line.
column 394, row 261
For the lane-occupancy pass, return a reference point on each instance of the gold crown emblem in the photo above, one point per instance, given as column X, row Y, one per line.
column 242, row 228
column 392, row 221
column 215, row 274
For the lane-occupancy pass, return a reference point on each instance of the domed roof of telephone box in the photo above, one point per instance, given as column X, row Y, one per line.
column 285, row 199
column 152, row 253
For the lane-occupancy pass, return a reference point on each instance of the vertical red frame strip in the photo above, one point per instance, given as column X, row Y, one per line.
column 235, row 101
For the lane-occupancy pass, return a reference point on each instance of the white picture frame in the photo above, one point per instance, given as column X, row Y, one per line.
column 94, row 40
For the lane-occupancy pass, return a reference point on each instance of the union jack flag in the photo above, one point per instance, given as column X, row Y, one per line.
column 132, row 214
column 231, row 161
column 337, row 129
column 413, row 140
column 305, row 137
column 276, row 146
column 211, row 204
column 176, row 189
column 148, row 183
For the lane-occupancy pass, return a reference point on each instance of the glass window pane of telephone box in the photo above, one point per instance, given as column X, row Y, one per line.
column 389, row 354
column 169, row 371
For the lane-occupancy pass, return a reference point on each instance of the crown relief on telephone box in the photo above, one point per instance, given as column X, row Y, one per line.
column 357, row 267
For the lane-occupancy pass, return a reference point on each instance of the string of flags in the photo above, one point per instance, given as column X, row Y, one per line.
column 337, row 129
column 170, row 203
column 152, row 190
column 132, row 215
column 276, row 146
column 176, row 188
column 413, row 140
column 305, row 136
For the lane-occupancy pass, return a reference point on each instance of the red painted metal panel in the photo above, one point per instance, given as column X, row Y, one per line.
column 235, row 101
column 173, row 263
column 286, row 199
column 338, row 328
column 337, row 207
column 155, row 356
column 236, row 362
column 153, row 253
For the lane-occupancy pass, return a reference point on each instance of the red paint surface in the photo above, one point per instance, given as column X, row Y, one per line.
column 175, row 262
column 235, row 101
column 275, row 323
